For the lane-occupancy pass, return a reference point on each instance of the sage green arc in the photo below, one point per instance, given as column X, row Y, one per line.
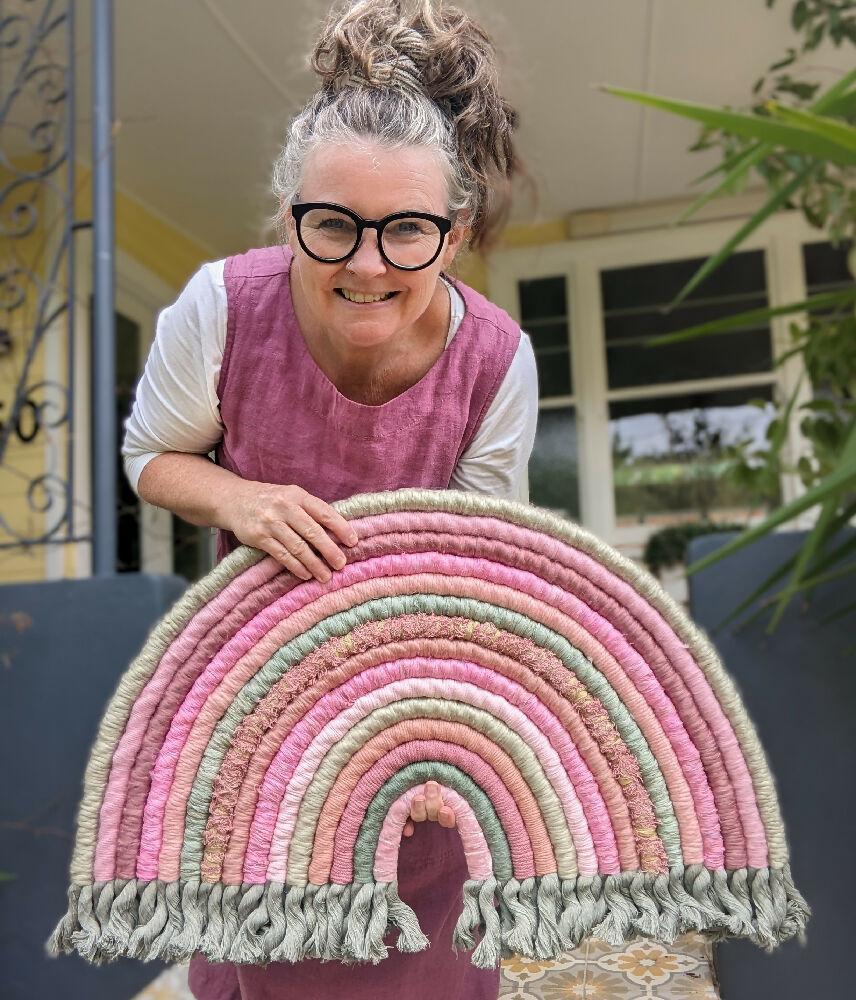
column 377, row 609
column 303, row 838
column 365, row 847
column 134, row 679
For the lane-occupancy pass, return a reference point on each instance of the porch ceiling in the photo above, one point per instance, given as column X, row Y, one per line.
column 205, row 87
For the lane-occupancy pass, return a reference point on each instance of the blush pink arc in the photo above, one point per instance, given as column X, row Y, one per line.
column 476, row 851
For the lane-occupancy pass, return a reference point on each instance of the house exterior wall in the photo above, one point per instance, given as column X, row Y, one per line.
column 154, row 260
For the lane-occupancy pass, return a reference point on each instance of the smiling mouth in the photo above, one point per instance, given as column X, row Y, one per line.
column 362, row 297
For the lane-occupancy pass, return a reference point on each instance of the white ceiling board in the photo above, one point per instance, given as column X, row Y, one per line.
column 713, row 54
column 204, row 90
column 574, row 138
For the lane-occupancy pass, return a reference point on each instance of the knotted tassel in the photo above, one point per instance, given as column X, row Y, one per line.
column 739, row 913
column 356, row 924
column 410, row 938
column 617, row 926
column 648, row 922
column 486, row 954
column 463, row 936
column 670, row 917
column 295, row 926
column 338, row 901
column 548, row 941
column 378, row 923
column 194, row 906
column 253, row 921
column 520, row 938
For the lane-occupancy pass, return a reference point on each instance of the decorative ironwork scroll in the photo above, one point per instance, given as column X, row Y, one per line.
column 37, row 225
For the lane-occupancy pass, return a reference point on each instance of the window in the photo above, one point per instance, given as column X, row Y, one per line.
column 632, row 437
column 669, row 446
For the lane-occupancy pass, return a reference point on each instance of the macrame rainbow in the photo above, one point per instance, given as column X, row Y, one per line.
column 252, row 774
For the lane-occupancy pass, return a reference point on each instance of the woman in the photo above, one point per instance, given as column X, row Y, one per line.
column 345, row 362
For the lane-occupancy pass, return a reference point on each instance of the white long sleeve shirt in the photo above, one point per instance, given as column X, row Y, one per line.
column 177, row 407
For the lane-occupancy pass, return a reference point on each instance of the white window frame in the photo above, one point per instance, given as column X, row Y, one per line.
column 581, row 262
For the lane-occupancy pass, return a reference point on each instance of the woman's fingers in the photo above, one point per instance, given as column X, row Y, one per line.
column 330, row 518
column 283, row 556
column 291, row 525
column 301, row 553
column 433, row 800
column 310, row 531
column 430, row 806
column 446, row 817
column 409, row 828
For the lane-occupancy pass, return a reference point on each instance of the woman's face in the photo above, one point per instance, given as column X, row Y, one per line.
column 372, row 181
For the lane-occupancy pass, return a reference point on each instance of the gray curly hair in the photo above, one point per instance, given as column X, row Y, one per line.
column 411, row 73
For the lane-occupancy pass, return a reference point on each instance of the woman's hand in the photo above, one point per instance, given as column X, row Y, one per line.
column 288, row 523
column 429, row 806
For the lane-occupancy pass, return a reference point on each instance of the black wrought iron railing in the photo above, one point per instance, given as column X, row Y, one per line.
column 37, row 272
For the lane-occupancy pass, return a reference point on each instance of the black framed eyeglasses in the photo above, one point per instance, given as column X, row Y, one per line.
column 332, row 233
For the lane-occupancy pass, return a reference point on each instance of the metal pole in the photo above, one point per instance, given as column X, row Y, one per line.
column 104, row 436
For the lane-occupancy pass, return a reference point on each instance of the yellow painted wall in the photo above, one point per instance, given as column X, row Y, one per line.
column 168, row 254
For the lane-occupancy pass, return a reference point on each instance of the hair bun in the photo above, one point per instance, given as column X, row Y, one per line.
column 372, row 43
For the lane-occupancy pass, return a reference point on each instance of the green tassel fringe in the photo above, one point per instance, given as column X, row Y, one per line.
column 540, row 917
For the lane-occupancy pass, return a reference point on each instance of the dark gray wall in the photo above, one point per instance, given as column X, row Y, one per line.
column 63, row 647
column 800, row 690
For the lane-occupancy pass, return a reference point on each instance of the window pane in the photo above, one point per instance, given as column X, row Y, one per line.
column 543, row 297
column 634, row 300
column 544, row 316
column 826, row 265
column 670, row 456
column 738, row 353
column 553, row 467
column 655, row 285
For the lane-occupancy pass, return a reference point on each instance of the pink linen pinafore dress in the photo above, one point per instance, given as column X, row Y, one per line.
column 285, row 422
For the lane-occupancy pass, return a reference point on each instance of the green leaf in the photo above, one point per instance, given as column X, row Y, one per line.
column 790, row 58
column 773, row 204
column 829, row 128
column 731, row 162
column 774, row 577
column 817, row 537
column 743, row 165
column 840, row 613
column 816, row 581
column 825, row 102
column 827, row 300
column 843, row 476
column 753, row 126
column 815, row 37
column 841, row 520
column 844, row 106
column 799, row 15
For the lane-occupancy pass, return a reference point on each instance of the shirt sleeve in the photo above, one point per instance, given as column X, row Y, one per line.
column 496, row 460
column 176, row 406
